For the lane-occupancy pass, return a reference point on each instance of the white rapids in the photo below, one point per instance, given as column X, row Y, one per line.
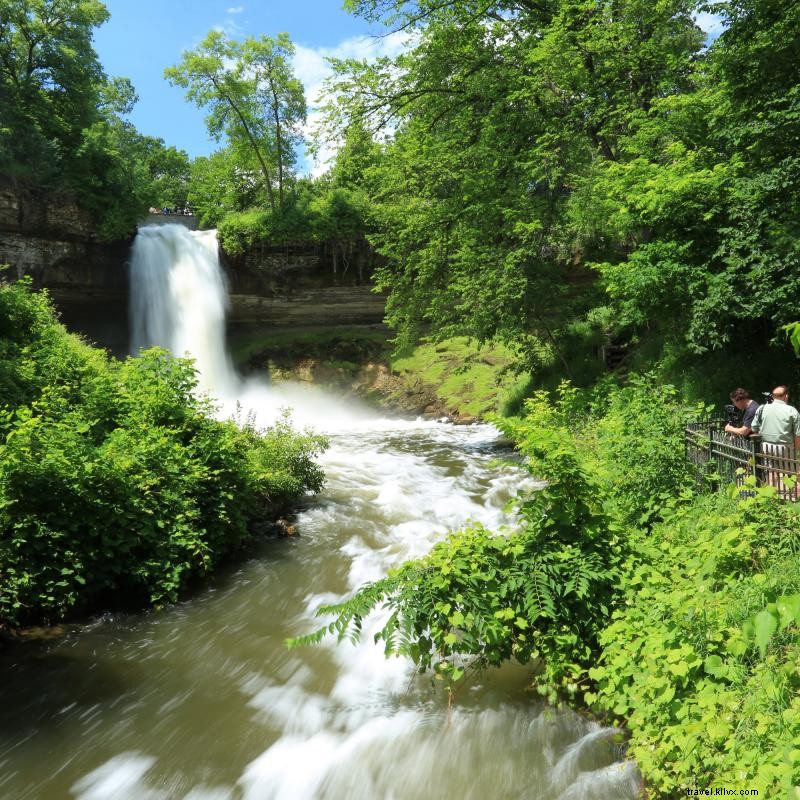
column 214, row 707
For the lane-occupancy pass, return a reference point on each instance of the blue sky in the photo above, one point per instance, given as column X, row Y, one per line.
column 143, row 37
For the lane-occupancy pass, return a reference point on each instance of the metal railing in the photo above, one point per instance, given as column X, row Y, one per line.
column 718, row 457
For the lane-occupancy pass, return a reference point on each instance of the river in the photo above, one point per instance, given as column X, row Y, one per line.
column 202, row 700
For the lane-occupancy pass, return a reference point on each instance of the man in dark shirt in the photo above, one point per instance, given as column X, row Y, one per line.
column 742, row 400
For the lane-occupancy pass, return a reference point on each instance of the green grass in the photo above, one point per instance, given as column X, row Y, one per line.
column 466, row 378
column 471, row 378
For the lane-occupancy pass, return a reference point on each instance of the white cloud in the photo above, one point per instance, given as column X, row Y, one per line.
column 312, row 69
column 711, row 24
column 230, row 28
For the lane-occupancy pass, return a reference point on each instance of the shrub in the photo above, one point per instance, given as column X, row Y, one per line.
column 240, row 230
column 116, row 481
column 706, row 707
column 634, row 440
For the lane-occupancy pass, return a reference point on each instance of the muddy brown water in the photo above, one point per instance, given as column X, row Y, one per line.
column 202, row 701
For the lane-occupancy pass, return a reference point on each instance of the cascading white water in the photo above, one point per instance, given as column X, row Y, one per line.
column 179, row 301
column 203, row 701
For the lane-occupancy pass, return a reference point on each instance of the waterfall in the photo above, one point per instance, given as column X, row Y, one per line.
column 179, row 301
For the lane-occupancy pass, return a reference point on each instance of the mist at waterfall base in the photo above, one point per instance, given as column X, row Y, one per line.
column 179, row 301
column 202, row 701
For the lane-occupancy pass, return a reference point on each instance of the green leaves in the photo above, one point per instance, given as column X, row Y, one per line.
column 253, row 100
column 115, row 478
column 779, row 616
column 764, row 625
column 792, row 331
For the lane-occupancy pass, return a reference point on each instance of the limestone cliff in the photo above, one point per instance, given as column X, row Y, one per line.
column 53, row 241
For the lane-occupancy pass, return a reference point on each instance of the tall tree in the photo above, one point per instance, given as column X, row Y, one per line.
column 500, row 112
column 252, row 97
column 50, row 81
column 279, row 92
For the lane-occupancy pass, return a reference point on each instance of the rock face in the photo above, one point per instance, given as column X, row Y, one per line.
column 53, row 241
column 295, row 284
column 190, row 222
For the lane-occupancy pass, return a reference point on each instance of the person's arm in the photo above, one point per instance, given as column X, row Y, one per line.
column 745, row 430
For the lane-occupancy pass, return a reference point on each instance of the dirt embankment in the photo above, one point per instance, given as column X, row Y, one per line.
column 453, row 379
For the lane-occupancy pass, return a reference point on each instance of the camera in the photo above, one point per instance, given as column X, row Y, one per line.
column 768, row 398
column 732, row 415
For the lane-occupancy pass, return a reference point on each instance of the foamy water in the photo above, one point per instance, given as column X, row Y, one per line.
column 204, row 702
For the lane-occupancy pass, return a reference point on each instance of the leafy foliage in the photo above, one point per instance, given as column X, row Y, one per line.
column 116, row 481
column 62, row 123
column 49, row 81
column 505, row 114
column 253, row 99
column 702, row 673
column 541, row 593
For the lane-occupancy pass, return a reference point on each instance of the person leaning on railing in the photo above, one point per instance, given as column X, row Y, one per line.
column 742, row 400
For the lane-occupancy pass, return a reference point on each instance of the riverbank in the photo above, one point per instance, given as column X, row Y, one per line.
column 455, row 379
column 670, row 612
column 118, row 485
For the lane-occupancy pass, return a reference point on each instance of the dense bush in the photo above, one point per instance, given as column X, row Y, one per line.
column 239, row 231
column 325, row 214
column 116, row 481
column 673, row 613
column 689, row 663
column 634, row 442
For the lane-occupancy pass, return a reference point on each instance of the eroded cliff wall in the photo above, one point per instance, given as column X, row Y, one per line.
column 53, row 241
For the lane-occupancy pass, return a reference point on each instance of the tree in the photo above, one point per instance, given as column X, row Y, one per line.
column 501, row 112
column 169, row 171
column 220, row 185
column 703, row 206
column 277, row 90
column 62, row 125
column 253, row 98
column 50, row 80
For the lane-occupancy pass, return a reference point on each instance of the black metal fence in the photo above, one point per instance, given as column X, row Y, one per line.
column 719, row 457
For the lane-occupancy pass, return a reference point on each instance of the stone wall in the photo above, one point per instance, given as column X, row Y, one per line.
column 53, row 241
column 294, row 284
column 187, row 220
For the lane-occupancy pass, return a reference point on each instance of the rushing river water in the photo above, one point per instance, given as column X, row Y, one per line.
column 203, row 701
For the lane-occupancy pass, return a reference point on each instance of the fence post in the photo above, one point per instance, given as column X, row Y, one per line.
column 714, row 484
